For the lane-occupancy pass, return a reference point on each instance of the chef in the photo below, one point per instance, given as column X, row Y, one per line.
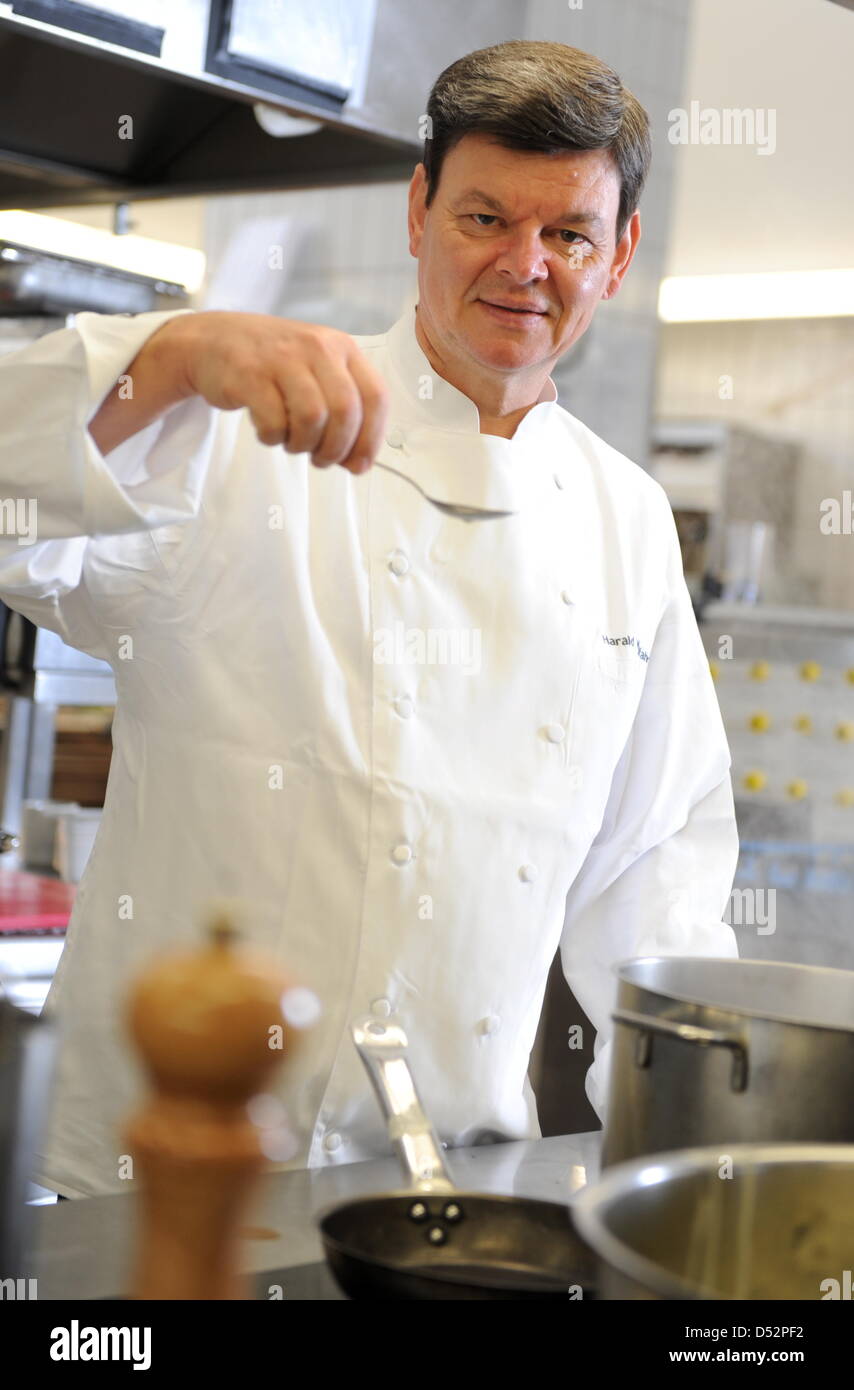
column 422, row 748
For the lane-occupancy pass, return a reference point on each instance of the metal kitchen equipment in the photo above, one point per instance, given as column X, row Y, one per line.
column 722, row 481
column 778, row 1223
column 36, row 283
column 27, row 1052
column 189, row 68
column 709, row 1051
column 430, row 1240
column 38, row 673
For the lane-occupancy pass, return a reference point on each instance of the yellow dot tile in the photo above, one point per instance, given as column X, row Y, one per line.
column 755, row 780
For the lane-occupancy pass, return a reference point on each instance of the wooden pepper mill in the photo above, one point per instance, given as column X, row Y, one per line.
column 210, row 1029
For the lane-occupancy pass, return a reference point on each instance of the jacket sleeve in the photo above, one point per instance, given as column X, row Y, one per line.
column 53, row 474
column 658, row 876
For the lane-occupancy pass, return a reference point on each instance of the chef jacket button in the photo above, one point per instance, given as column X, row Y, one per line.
column 528, row 873
column 331, row 1141
column 401, row 854
column 566, row 596
column 381, row 1007
column 394, row 438
column 558, row 480
column 489, row 1025
column 404, row 706
column 555, row 733
column 398, row 564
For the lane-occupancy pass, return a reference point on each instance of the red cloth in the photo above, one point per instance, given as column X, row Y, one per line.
column 31, row 902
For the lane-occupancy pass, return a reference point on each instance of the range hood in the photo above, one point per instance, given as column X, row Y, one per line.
column 71, row 73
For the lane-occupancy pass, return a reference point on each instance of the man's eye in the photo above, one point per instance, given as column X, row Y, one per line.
column 567, row 236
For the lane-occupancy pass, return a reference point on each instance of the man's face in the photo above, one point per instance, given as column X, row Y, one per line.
column 525, row 231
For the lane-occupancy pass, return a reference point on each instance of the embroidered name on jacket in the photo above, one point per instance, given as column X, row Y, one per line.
column 626, row 642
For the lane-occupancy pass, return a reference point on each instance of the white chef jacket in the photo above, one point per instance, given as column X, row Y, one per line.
column 424, row 752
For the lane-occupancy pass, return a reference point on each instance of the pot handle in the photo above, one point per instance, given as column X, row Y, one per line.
column 684, row 1032
column 382, row 1047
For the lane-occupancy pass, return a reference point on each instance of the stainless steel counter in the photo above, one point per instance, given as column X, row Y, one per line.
column 81, row 1248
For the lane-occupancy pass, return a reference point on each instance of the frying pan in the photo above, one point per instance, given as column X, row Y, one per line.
column 430, row 1240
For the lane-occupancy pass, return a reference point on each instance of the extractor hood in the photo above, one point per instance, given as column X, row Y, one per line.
column 101, row 105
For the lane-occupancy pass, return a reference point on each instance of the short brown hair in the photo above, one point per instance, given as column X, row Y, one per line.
column 543, row 97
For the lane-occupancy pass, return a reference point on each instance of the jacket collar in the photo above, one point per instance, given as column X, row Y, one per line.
column 433, row 436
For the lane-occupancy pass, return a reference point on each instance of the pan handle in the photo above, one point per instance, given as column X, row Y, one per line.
column 685, row 1032
column 382, row 1047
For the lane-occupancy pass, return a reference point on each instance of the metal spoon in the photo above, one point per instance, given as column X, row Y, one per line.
column 450, row 509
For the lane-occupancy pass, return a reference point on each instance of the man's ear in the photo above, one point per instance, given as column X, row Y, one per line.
column 417, row 208
column 623, row 254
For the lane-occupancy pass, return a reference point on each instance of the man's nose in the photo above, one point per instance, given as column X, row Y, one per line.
column 523, row 257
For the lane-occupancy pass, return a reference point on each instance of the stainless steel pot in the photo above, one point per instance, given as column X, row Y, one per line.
column 727, row 1051
column 775, row 1222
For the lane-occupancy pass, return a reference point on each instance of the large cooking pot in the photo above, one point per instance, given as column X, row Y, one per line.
column 759, row 1222
column 722, row 1051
